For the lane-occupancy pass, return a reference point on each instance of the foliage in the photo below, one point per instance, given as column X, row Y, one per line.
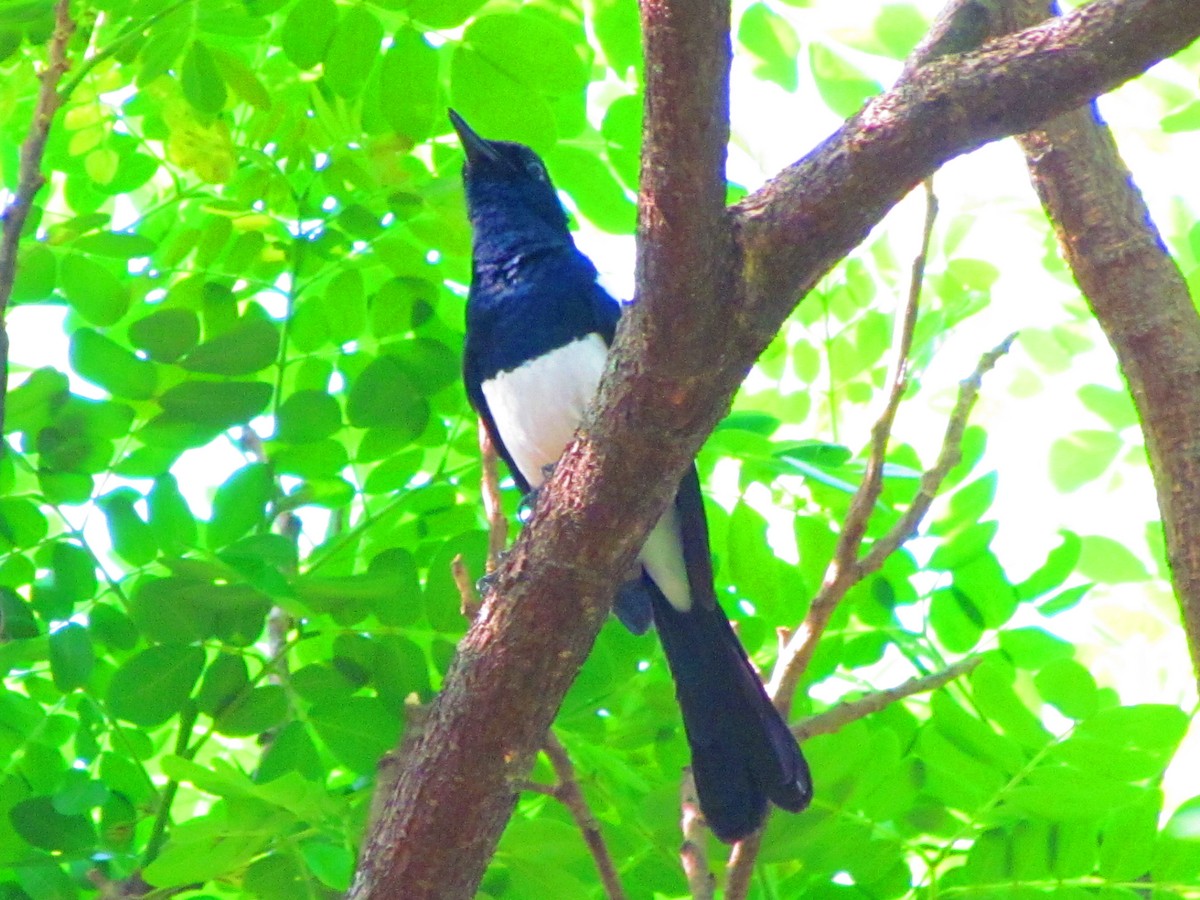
column 228, row 515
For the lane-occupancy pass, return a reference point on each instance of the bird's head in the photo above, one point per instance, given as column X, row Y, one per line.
column 510, row 197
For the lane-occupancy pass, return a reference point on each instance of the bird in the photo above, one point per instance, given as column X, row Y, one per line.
column 538, row 330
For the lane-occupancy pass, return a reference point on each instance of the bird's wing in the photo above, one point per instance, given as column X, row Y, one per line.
column 474, row 386
column 606, row 312
column 693, row 535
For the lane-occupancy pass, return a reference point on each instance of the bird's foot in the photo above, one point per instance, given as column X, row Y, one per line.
column 529, row 501
column 485, row 583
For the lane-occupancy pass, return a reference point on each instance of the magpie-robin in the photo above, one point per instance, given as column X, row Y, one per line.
column 538, row 331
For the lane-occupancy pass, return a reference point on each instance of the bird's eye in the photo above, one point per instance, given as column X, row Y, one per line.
column 536, row 170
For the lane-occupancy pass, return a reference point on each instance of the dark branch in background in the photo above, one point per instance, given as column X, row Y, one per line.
column 30, row 178
column 661, row 397
column 1142, row 302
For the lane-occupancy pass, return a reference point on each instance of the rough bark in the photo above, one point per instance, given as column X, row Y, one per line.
column 1142, row 302
column 667, row 386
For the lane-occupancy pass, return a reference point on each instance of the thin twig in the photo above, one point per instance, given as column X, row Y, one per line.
column 497, row 521
column 845, row 570
column 848, row 568
column 837, row 717
column 567, row 791
column 29, row 177
column 468, row 600
column 693, row 855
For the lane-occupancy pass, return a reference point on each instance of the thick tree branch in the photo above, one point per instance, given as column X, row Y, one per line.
column 29, row 176
column 668, row 385
column 1141, row 300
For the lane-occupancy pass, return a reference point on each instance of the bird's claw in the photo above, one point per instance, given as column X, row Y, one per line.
column 529, row 501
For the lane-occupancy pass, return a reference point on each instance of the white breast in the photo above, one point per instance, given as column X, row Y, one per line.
column 538, row 406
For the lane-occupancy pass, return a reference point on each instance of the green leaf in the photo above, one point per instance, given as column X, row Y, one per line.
column 511, row 72
column 109, row 365
column 772, row 40
column 152, row 686
column 38, row 822
column 203, row 85
column 1128, row 839
column 410, row 70
column 292, row 750
column 752, row 563
column 1109, row 562
column 352, row 51
column 224, row 679
column 899, row 27
column 955, row 620
column 333, row 864
column 996, row 699
column 116, row 244
column 438, row 14
column 166, row 334
column 1082, row 457
column 357, row 730
column 619, row 32
column 1112, row 405
column 345, row 306
column 384, row 396
column 591, row 184
column 968, row 504
column 307, row 31
column 132, row 537
column 308, row 416
column 842, row 86
column 240, row 504
column 249, row 347
column 963, row 547
column 1032, row 648
column 1060, row 563
column 217, row 404
column 94, row 292
column 71, row 657
column 1069, row 687
column 254, row 712
column 170, row 516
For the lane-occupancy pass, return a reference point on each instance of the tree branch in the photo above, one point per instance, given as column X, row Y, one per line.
column 1142, row 302
column 568, row 793
column 693, row 854
column 667, row 386
column 846, row 569
column 29, row 177
column 838, row 717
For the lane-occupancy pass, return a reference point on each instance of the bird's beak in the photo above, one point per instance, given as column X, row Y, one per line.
column 476, row 148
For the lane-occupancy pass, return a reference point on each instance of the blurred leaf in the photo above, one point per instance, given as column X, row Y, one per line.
column 842, row 86
column 152, row 686
column 772, row 40
column 71, row 657
column 203, row 85
column 240, row 504
column 352, row 51
column 249, row 347
column 308, row 30
column 357, row 731
column 94, row 292
column 1082, row 457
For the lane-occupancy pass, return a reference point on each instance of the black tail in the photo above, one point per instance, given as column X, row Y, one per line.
column 743, row 754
